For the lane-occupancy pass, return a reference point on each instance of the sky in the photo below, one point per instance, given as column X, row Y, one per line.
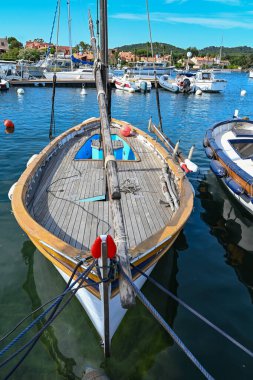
column 183, row 23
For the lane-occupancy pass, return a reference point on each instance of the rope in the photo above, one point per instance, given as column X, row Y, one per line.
column 156, row 85
column 58, row 29
column 193, row 311
column 42, row 315
column 165, row 325
column 130, row 186
column 51, row 35
column 52, row 120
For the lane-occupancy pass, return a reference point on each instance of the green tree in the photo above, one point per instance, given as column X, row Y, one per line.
column 29, row 54
column 14, row 43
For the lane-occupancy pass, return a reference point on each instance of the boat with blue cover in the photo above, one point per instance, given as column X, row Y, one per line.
column 229, row 145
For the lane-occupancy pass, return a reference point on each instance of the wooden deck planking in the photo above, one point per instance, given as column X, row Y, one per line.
column 79, row 223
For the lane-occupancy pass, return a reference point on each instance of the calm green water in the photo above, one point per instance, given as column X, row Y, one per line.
column 210, row 266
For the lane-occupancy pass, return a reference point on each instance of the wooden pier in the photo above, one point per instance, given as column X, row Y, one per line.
column 43, row 82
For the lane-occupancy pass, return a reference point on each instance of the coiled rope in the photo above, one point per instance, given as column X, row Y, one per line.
column 165, row 325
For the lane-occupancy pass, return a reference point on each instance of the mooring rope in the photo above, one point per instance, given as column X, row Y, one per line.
column 52, row 120
column 165, row 325
column 196, row 313
column 42, row 315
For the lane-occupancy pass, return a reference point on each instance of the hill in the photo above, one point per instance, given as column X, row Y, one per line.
column 164, row 48
column 159, row 48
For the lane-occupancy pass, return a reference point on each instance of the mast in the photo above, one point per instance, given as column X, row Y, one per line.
column 70, row 38
column 220, row 57
column 126, row 292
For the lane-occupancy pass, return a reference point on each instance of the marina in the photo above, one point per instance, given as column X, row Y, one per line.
column 213, row 217
column 126, row 192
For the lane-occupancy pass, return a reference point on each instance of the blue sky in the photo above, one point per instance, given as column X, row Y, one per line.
column 182, row 23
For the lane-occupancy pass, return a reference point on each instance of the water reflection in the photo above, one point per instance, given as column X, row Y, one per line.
column 140, row 338
column 9, row 130
column 232, row 228
column 64, row 365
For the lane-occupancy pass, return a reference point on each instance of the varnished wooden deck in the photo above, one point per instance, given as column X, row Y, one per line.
column 57, row 204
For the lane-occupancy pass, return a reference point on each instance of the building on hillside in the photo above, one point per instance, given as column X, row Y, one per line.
column 4, row 46
column 202, row 62
column 41, row 45
column 37, row 45
column 127, row 56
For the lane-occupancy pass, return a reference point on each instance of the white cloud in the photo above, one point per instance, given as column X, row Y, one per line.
column 228, row 2
column 212, row 22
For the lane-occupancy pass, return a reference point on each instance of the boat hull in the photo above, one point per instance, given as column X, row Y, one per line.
column 211, row 86
column 70, row 75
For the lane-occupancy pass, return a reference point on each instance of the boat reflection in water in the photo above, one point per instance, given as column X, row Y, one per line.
column 149, row 338
column 231, row 227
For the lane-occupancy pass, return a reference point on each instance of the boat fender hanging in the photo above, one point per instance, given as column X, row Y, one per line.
column 8, row 123
column 209, row 152
column 184, row 167
column 234, row 186
column 218, row 169
column 125, row 130
column 31, row 159
column 10, row 193
column 190, row 165
column 97, row 245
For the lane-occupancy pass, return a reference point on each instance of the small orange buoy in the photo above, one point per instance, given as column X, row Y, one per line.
column 126, row 130
column 8, row 123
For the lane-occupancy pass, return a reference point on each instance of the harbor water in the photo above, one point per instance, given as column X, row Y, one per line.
column 210, row 266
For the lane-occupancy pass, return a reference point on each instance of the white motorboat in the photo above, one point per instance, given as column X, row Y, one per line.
column 150, row 68
column 125, row 84
column 4, row 85
column 179, row 84
column 251, row 73
column 230, row 146
column 83, row 73
column 206, row 82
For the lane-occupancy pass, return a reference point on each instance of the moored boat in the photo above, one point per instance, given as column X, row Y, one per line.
column 206, row 82
column 125, row 83
column 4, row 85
column 230, row 146
column 181, row 83
column 104, row 200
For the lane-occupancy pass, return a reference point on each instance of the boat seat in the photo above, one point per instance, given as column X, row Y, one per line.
column 239, row 132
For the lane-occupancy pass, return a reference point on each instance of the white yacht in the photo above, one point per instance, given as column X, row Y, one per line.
column 82, row 73
column 206, row 81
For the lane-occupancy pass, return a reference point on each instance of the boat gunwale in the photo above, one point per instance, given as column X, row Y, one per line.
column 233, row 170
column 38, row 233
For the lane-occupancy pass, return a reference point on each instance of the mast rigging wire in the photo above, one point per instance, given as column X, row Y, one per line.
column 156, row 85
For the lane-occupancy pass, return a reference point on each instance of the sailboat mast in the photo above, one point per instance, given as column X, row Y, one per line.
column 127, row 295
column 70, row 37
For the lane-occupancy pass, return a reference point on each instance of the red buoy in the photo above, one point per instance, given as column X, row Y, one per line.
column 111, row 247
column 184, row 167
column 96, row 247
column 126, row 130
column 8, row 123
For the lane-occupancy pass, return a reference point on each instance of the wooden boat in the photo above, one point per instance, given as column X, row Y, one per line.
column 230, row 146
column 103, row 178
